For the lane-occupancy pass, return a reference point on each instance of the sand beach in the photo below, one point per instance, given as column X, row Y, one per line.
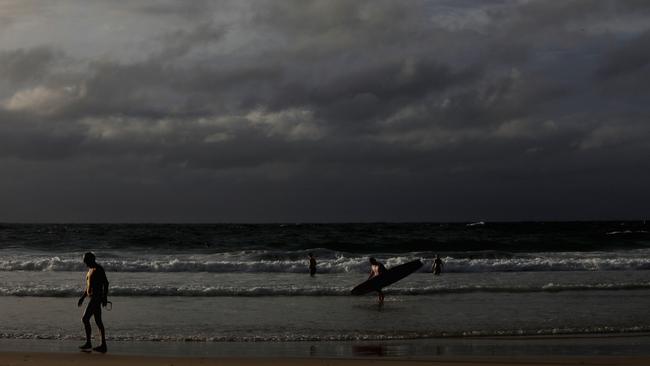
column 72, row 359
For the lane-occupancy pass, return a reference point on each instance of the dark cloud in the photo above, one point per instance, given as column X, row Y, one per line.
column 191, row 10
column 332, row 111
column 24, row 66
column 181, row 42
column 631, row 57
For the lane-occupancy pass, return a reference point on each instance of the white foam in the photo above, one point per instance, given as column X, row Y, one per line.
column 351, row 336
column 285, row 262
column 216, row 291
column 627, row 232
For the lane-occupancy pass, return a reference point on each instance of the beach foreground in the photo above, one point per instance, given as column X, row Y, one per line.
column 56, row 359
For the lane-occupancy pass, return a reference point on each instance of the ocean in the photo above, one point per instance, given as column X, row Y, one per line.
column 233, row 283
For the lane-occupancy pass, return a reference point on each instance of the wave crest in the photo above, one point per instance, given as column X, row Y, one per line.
column 217, row 291
column 337, row 264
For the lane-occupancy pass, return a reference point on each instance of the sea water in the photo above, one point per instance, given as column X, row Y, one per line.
column 216, row 284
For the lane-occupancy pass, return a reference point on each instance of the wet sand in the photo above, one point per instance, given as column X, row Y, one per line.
column 60, row 359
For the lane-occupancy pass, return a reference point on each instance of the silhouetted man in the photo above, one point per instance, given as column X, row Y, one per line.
column 97, row 291
column 437, row 266
column 312, row 264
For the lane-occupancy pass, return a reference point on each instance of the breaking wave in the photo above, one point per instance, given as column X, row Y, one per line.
column 216, row 291
column 287, row 263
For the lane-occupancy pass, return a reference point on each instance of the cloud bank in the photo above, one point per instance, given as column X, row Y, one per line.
column 267, row 111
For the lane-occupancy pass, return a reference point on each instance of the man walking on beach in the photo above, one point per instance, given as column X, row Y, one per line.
column 376, row 269
column 97, row 291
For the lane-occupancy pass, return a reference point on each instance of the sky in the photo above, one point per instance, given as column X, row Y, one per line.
column 324, row 111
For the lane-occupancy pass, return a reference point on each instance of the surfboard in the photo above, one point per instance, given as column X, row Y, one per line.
column 389, row 277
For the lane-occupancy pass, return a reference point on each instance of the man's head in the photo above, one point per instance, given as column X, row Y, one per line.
column 311, row 254
column 372, row 260
column 89, row 259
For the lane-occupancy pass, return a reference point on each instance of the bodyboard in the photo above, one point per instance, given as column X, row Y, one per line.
column 389, row 277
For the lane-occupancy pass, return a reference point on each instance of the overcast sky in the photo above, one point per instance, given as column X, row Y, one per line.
column 300, row 111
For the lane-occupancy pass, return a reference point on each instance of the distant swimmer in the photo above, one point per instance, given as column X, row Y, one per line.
column 437, row 265
column 312, row 264
column 376, row 269
column 97, row 291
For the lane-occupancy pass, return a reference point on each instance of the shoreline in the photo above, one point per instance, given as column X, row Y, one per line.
column 561, row 346
column 60, row 359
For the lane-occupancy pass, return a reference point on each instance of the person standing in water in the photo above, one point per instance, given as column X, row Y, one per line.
column 376, row 269
column 97, row 291
column 437, row 266
column 312, row 264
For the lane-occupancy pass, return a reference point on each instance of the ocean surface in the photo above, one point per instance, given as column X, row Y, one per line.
column 250, row 283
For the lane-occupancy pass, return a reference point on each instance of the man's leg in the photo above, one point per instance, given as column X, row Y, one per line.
column 100, row 324
column 85, row 319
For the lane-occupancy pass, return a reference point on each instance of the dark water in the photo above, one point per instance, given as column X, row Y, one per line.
column 351, row 238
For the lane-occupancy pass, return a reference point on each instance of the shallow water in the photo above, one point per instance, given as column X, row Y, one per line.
column 307, row 317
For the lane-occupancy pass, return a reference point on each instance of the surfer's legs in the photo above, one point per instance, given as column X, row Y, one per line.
column 380, row 297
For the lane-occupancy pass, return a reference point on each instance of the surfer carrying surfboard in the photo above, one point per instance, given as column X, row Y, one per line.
column 381, row 277
column 376, row 269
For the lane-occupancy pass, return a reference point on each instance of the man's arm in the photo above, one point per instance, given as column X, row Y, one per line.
column 105, row 299
column 105, row 292
column 81, row 299
column 371, row 273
